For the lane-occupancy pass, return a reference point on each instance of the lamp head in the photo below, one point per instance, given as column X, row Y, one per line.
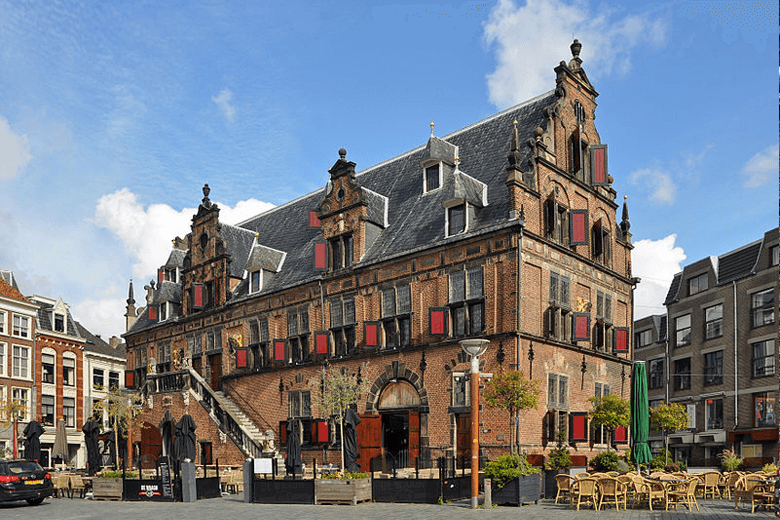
column 474, row 347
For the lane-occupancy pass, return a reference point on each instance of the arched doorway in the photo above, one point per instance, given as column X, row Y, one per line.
column 398, row 406
column 151, row 446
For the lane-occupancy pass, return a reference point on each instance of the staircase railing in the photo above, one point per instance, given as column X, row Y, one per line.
column 246, row 405
column 227, row 423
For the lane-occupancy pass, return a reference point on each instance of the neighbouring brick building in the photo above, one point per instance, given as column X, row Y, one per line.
column 17, row 344
column 715, row 351
column 504, row 230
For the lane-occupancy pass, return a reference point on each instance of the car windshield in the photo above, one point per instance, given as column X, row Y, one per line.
column 24, row 466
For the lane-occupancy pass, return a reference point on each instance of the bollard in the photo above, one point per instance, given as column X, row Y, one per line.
column 488, row 494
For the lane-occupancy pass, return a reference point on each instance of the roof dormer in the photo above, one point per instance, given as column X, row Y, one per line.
column 437, row 156
column 262, row 259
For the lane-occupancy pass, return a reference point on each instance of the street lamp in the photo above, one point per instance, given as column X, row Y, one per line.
column 474, row 348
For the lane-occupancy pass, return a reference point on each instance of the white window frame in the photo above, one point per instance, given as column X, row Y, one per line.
column 163, row 312
column 27, row 368
column 465, row 206
column 64, row 317
column 255, row 288
column 4, row 323
column 67, row 418
column 3, row 361
column 49, row 352
column 775, row 255
column 24, row 330
column 26, row 400
column 75, row 368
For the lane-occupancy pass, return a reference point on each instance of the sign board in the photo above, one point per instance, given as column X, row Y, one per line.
column 263, row 466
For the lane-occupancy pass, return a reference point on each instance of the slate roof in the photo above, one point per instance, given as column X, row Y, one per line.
column 728, row 267
column 96, row 344
column 168, row 292
column 176, row 258
column 408, row 218
column 43, row 322
column 739, row 263
column 415, row 219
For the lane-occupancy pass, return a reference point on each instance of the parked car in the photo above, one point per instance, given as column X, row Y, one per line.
column 24, row 480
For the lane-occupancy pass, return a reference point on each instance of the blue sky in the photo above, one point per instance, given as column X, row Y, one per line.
column 114, row 115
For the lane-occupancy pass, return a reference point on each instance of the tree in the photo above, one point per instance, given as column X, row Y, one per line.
column 340, row 390
column 122, row 410
column 10, row 413
column 668, row 418
column 512, row 392
column 610, row 411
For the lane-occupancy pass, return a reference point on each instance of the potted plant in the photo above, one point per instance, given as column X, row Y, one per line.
column 343, row 488
column 558, row 461
column 514, row 480
column 108, row 485
column 729, row 460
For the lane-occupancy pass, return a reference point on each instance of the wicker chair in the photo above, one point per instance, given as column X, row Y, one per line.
column 750, row 488
column 77, row 485
column 651, row 490
column 564, row 483
column 683, row 494
column 709, row 482
column 585, row 490
column 611, row 490
column 60, row 484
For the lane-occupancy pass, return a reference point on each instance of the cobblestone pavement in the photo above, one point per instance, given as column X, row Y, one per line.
column 232, row 507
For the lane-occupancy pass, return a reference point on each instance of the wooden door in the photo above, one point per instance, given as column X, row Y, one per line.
column 369, row 440
column 215, row 368
column 463, row 425
column 151, row 446
column 414, row 436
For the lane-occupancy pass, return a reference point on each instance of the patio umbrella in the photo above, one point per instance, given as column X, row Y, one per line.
column 60, row 449
column 184, row 443
column 351, row 420
column 640, row 414
column 91, row 430
column 294, row 463
column 32, row 440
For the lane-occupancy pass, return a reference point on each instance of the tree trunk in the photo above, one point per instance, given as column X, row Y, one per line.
column 341, row 427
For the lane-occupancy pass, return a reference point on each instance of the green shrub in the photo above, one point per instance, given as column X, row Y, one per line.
column 117, row 474
column 605, row 461
column 769, row 468
column 559, row 457
column 729, row 460
column 347, row 475
column 506, row 468
column 665, row 462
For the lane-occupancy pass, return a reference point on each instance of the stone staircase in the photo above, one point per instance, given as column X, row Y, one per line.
column 264, row 439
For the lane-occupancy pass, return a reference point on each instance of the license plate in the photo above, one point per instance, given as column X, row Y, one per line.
column 33, row 482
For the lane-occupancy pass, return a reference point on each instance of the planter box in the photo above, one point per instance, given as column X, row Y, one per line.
column 550, row 484
column 107, row 489
column 522, row 490
column 327, row 491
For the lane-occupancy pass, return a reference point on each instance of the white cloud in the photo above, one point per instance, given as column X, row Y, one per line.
column 223, row 102
column 660, row 185
column 147, row 232
column 14, row 151
column 531, row 38
column 761, row 168
column 655, row 262
column 104, row 317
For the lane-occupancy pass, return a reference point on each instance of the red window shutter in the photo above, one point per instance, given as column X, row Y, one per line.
column 321, row 431
column 322, row 343
column 598, row 162
column 283, row 432
column 620, row 435
column 581, row 326
column 438, row 321
column 241, row 358
column 152, row 313
column 314, row 220
column 371, row 334
column 578, row 427
column 320, row 255
column 579, row 227
column 621, row 340
column 129, row 379
column 160, row 276
column 280, row 350
column 198, row 295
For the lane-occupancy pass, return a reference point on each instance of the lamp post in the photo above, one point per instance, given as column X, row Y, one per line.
column 474, row 348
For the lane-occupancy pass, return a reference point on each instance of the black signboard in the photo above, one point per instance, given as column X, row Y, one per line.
column 164, row 470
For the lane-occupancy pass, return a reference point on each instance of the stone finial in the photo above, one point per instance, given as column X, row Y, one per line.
column 130, row 298
column 343, row 153
column 625, row 225
column 206, row 202
column 575, row 47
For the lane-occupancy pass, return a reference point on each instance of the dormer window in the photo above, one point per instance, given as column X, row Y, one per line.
column 163, row 311
column 59, row 322
column 340, row 252
column 255, row 281
column 432, row 177
column 456, row 219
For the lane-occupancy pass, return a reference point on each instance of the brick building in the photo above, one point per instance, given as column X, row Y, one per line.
column 504, row 230
column 17, row 344
column 715, row 352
